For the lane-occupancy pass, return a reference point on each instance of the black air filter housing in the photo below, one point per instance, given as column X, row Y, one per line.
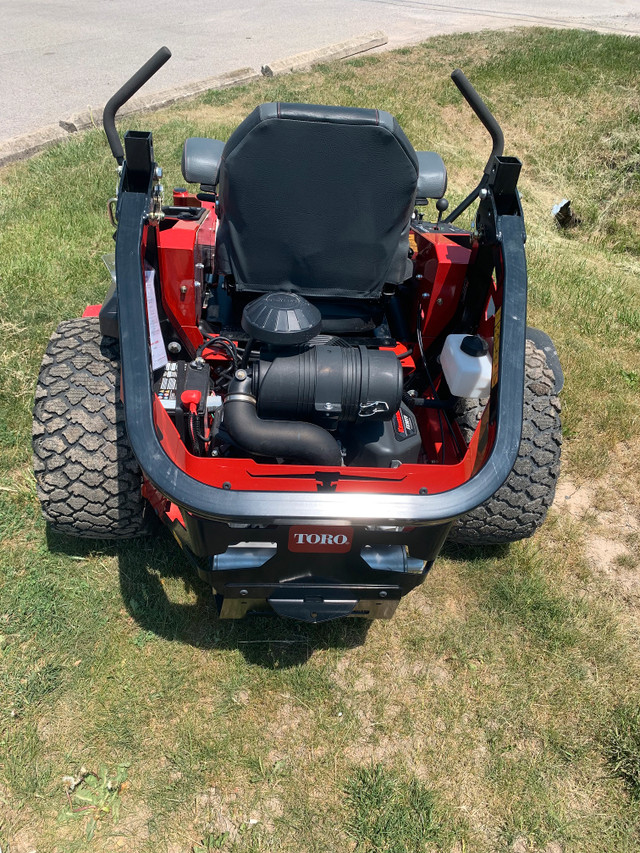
column 325, row 383
column 283, row 319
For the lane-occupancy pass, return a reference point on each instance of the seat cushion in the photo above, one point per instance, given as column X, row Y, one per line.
column 316, row 200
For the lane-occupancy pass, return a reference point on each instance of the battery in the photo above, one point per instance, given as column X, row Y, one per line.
column 179, row 376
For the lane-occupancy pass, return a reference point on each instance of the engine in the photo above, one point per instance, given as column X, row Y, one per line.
column 298, row 396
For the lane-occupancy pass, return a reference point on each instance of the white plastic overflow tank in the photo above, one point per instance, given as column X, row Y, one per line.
column 466, row 364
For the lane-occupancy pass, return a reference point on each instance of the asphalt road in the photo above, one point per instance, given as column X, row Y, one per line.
column 58, row 57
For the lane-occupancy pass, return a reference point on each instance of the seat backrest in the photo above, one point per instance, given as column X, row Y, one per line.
column 316, row 200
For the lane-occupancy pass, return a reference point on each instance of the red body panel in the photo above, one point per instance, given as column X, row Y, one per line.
column 179, row 248
column 443, row 266
column 248, row 475
column 92, row 311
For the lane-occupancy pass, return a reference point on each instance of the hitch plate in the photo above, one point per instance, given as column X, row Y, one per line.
column 309, row 602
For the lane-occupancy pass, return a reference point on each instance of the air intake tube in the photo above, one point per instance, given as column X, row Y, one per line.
column 295, row 441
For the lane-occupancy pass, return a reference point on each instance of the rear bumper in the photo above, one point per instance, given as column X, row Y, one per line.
column 368, row 582
column 252, row 569
column 253, row 587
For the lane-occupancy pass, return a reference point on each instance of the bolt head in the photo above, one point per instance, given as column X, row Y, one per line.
column 244, row 592
column 383, row 593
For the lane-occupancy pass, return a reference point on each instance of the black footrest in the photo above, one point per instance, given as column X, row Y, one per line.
column 311, row 607
column 309, row 601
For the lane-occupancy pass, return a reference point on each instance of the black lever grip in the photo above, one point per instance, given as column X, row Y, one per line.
column 124, row 93
column 482, row 111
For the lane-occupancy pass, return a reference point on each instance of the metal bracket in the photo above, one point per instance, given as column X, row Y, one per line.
column 111, row 211
column 373, row 407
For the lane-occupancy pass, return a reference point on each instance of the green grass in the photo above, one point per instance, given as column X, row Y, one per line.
column 622, row 745
column 391, row 813
column 499, row 703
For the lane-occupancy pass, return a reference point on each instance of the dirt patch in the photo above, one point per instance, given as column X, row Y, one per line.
column 618, row 564
column 212, row 811
column 268, row 813
column 16, row 824
column 133, row 826
column 576, row 500
column 22, row 842
column 605, row 552
column 608, row 509
column 521, row 845
column 288, row 724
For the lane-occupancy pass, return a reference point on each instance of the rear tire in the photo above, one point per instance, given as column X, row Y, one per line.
column 520, row 505
column 87, row 478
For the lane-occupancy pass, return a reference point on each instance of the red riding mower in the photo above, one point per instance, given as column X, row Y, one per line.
column 309, row 383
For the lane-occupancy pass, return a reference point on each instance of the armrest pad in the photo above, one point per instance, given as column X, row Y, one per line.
column 200, row 160
column 432, row 177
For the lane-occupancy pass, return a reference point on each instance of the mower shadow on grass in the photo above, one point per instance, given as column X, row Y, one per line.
column 149, row 567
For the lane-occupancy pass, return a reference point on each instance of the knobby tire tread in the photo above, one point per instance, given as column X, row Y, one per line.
column 520, row 505
column 87, row 478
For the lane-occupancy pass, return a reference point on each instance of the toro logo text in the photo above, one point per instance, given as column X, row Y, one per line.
column 334, row 540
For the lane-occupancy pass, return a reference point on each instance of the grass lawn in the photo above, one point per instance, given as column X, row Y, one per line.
column 499, row 709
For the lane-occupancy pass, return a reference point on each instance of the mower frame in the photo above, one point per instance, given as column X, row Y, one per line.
column 248, row 542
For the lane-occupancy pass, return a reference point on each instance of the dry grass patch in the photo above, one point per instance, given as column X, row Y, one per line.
column 608, row 512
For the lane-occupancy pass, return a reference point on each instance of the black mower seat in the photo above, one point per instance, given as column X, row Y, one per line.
column 315, row 200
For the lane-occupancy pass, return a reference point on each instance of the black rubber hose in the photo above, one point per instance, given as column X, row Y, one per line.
column 124, row 93
column 296, row 441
